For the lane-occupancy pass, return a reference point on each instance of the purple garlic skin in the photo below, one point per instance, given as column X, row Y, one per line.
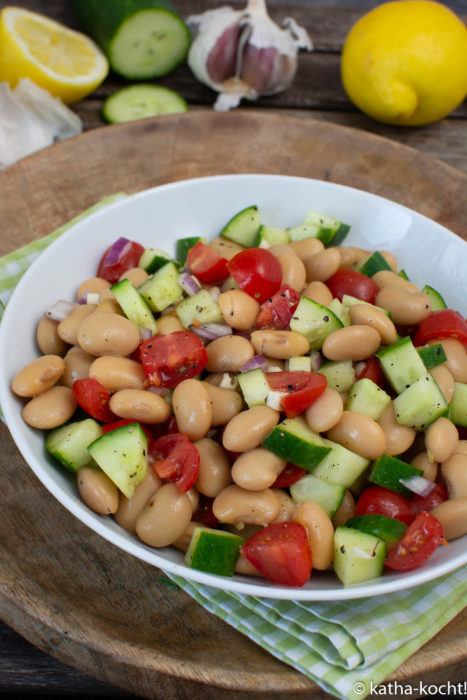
column 266, row 70
column 222, row 59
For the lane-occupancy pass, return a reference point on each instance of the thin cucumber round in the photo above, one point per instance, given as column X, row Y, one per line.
column 141, row 101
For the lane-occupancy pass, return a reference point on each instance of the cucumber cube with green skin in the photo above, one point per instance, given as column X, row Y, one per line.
column 326, row 494
column 328, row 230
column 123, row 455
column 244, row 227
column 152, row 259
column 199, row 308
column 269, row 235
column 213, row 551
column 299, row 363
column 421, row 404
column 162, row 289
column 314, row 321
column 374, row 263
column 183, row 245
column 300, row 232
column 133, row 305
column 69, row 443
column 340, row 466
column 340, row 375
column 293, row 440
column 458, row 405
column 432, row 355
column 401, row 364
column 436, row 300
column 367, row 397
column 388, row 529
column 388, row 471
column 342, row 312
column 254, row 386
column 358, row 556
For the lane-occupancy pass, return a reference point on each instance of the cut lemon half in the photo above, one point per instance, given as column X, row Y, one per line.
column 66, row 63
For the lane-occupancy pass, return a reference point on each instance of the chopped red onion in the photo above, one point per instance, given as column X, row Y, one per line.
column 146, row 333
column 83, row 298
column 211, row 331
column 419, row 485
column 315, row 360
column 256, row 362
column 60, row 310
column 116, row 250
column 189, row 284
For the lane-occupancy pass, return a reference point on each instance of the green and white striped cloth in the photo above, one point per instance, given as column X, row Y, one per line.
column 346, row 647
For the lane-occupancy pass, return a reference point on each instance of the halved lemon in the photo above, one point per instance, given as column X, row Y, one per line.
column 66, row 63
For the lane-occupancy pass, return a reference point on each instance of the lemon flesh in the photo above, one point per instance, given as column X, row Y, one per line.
column 405, row 62
column 66, row 63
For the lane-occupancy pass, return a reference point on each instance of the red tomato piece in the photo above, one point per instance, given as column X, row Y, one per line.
column 372, row 370
column 257, row 271
column 418, row 543
column 204, row 513
column 277, row 311
column 281, row 552
column 381, row 501
column 207, row 265
column 169, row 359
column 304, row 388
column 120, row 257
column 437, row 496
column 93, row 397
column 179, row 460
column 354, row 283
column 290, row 475
column 444, row 323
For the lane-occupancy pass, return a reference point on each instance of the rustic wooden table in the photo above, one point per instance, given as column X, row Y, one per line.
column 317, row 92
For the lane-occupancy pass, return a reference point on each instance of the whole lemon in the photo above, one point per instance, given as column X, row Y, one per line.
column 405, row 62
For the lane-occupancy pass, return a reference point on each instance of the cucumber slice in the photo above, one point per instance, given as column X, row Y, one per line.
column 153, row 258
column 432, row 355
column 183, row 245
column 133, row 305
column 314, row 321
column 326, row 494
column 436, row 300
column 142, row 101
column 388, row 471
column 244, row 227
column 268, row 236
column 401, row 364
column 213, row 551
column 340, row 310
column 358, row 556
column 373, row 264
column 199, row 308
column 367, row 397
column 458, row 405
column 293, row 440
column 143, row 39
column 340, row 375
column 254, row 386
column 69, row 443
column 341, row 466
column 421, row 404
column 162, row 289
column 328, row 230
column 388, row 529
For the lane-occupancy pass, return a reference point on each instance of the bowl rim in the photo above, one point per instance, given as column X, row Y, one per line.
column 379, row 586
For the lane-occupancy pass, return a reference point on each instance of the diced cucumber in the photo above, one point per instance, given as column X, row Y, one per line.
column 133, row 305
column 432, row 355
column 213, row 551
column 244, row 227
column 299, row 363
column 141, row 101
column 373, row 264
column 421, row 404
column 314, row 321
column 367, row 397
column 142, row 38
column 458, row 405
column 388, row 529
column 342, row 312
column 293, row 440
column 162, row 289
column 348, row 300
column 326, row 494
column 69, row 443
column 254, row 386
column 358, row 556
column 388, row 471
column 404, row 275
column 340, row 375
column 183, row 245
column 123, row 455
column 268, row 236
column 340, row 466
column 436, row 300
column 401, row 364
column 300, row 232
column 199, row 308
column 153, row 258
column 328, row 230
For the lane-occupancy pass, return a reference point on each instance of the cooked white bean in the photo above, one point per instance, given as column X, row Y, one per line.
column 293, row 271
column 97, row 491
column 239, row 310
column 360, row 434
column 452, row 515
column 139, row 405
column 130, row 508
column 249, row 428
column 323, row 265
column 444, row 380
column 214, row 468
column 228, row 354
column 117, row 372
column 325, row 412
column 279, row 344
column 454, row 472
column 50, row 409
column 68, row 328
column 192, row 408
column 77, row 364
column 47, row 338
column 320, row 533
column 351, row 343
column 239, row 507
column 165, row 518
column 108, row 334
column 457, row 358
column 38, row 376
column 398, row 437
column 257, row 469
column 428, row 466
column 225, row 404
column 319, row 292
column 366, row 315
column 406, row 308
column 441, row 438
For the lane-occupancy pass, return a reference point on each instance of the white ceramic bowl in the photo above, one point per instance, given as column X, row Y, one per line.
column 430, row 254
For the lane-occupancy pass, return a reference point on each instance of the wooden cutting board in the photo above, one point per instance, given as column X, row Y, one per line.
column 64, row 588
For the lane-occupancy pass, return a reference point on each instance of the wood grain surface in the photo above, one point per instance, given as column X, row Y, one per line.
column 62, row 587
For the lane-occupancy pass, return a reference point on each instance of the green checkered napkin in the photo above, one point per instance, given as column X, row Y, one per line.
column 346, row 647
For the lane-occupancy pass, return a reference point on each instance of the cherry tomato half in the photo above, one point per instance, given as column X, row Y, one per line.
column 290, row 475
column 93, row 397
column 179, row 460
column 381, row 501
column 277, row 311
column 437, row 496
column 418, row 543
column 257, row 271
column 281, row 552
column 169, row 359
column 444, row 323
column 120, row 257
column 207, row 265
column 304, row 388
column 372, row 370
column 354, row 283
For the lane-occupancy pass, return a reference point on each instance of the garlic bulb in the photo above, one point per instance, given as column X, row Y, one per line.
column 243, row 53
